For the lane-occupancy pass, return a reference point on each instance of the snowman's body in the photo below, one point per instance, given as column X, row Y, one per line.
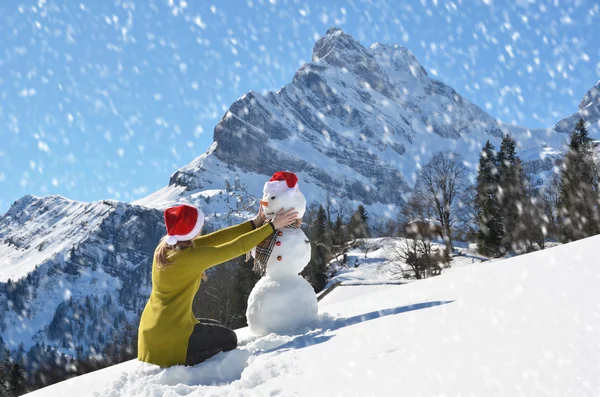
column 282, row 301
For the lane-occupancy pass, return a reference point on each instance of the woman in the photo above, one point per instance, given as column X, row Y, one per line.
column 169, row 334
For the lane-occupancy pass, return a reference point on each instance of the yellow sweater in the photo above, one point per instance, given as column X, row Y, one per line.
column 167, row 321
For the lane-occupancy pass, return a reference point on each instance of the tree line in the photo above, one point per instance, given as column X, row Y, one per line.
column 513, row 214
column 24, row 371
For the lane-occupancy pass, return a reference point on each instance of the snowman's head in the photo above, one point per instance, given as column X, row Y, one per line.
column 282, row 192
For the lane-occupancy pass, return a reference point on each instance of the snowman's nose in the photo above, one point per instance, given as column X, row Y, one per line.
column 264, row 203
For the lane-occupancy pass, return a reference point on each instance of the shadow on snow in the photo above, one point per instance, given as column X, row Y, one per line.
column 333, row 325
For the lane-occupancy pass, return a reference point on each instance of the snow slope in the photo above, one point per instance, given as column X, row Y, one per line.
column 525, row 326
column 382, row 265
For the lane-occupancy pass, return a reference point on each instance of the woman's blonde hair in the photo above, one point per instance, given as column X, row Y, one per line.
column 164, row 251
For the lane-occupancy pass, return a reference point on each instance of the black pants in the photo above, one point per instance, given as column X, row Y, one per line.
column 209, row 338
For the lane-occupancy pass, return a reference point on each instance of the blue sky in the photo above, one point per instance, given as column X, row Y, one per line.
column 103, row 99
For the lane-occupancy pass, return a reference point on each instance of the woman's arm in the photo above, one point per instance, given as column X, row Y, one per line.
column 224, row 235
column 198, row 259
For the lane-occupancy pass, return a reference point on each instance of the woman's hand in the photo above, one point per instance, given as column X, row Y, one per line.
column 284, row 218
column 259, row 219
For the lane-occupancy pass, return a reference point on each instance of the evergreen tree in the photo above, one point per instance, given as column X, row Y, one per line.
column 339, row 235
column 578, row 200
column 489, row 237
column 321, row 226
column 364, row 217
column 359, row 223
column 12, row 376
column 320, row 238
column 5, row 366
column 512, row 197
column 16, row 379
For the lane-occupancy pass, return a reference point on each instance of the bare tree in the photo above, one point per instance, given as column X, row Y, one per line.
column 467, row 213
column 415, row 211
column 343, row 208
column 215, row 298
column 419, row 255
column 368, row 245
column 439, row 186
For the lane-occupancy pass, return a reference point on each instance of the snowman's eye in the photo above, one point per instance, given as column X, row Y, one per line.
column 273, row 197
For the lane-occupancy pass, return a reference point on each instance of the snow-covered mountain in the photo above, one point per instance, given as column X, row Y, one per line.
column 354, row 121
column 589, row 109
column 357, row 122
column 73, row 274
column 351, row 122
column 526, row 326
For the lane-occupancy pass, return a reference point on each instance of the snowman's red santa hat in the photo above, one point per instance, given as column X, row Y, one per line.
column 183, row 223
column 281, row 182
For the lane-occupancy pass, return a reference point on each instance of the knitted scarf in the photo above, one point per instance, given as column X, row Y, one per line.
column 265, row 248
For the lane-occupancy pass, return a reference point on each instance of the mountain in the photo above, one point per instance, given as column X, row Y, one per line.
column 589, row 110
column 73, row 274
column 527, row 325
column 355, row 121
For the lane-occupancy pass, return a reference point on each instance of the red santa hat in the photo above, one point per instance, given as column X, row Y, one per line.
column 183, row 223
column 281, row 182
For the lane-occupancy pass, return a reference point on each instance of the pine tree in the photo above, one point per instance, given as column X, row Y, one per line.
column 12, row 375
column 322, row 252
column 339, row 235
column 320, row 238
column 489, row 237
column 359, row 223
column 321, row 226
column 512, row 197
column 578, row 200
column 5, row 366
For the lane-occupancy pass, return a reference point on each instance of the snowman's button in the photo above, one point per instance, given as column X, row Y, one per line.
column 280, row 233
column 279, row 258
column 278, row 243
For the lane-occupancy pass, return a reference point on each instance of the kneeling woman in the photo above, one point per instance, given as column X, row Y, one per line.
column 169, row 334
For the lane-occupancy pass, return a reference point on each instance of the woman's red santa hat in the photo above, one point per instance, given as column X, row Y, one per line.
column 183, row 223
column 281, row 182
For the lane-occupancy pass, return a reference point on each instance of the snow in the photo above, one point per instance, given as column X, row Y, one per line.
column 27, row 329
column 527, row 325
column 50, row 236
column 60, row 247
column 281, row 305
column 162, row 198
column 381, row 265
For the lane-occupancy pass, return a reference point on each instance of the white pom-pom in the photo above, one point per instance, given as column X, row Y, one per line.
column 171, row 240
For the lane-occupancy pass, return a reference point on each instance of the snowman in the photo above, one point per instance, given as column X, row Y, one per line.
column 282, row 301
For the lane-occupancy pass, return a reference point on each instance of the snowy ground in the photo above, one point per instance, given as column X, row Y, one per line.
column 382, row 265
column 525, row 326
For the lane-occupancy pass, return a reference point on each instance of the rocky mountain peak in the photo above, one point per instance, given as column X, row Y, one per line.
column 335, row 46
column 592, row 97
column 589, row 110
